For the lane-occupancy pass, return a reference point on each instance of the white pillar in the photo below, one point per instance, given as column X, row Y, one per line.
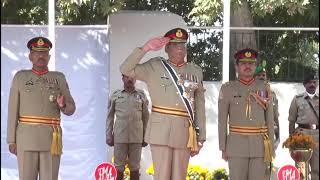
column 226, row 41
column 51, row 33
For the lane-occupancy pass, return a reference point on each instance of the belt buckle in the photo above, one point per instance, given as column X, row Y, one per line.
column 313, row 126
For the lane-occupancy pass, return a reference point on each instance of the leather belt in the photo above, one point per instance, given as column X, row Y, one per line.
column 308, row 126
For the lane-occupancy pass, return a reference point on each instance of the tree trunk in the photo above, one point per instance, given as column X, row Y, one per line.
column 240, row 39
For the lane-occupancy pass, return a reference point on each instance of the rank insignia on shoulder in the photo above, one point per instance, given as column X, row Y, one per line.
column 299, row 95
column 30, row 82
column 138, row 96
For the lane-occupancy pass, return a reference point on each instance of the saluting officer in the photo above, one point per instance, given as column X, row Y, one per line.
column 37, row 96
column 245, row 122
column 177, row 127
column 304, row 111
column 127, row 120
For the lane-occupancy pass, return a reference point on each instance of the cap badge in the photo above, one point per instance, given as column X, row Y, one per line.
column 40, row 42
column 179, row 33
column 247, row 54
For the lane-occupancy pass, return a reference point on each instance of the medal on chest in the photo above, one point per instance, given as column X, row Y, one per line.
column 190, row 84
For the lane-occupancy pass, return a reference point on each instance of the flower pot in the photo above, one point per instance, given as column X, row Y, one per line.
column 301, row 155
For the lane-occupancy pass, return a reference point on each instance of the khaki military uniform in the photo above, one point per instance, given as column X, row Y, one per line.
column 276, row 118
column 127, row 120
column 32, row 111
column 167, row 129
column 301, row 113
column 239, row 124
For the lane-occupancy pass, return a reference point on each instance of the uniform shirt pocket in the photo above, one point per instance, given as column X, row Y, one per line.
column 138, row 104
column 237, row 99
column 28, row 89
column 121, row 104
column 302, row 111
column 28, row 93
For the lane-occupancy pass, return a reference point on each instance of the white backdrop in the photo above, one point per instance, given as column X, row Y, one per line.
column 82, row 54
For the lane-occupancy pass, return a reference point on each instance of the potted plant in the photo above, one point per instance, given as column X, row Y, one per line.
column 301, row 147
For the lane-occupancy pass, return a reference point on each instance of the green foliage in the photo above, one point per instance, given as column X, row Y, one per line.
column 280, row 17
column 179, row 7
column 207, row 53
column 24, row 11
column 67, row 12
column 220, row 174
column 288, row 54
column 205, row 11
column 86, row 12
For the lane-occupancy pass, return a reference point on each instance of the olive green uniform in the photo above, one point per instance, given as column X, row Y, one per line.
column 301, row 113
column 34, row 96
column 127, row 120
column 245, row 152
column 167, row 133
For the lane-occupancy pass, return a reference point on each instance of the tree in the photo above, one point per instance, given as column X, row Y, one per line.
column 67, row 12
column 280, row 50
column 24, row 11
column 248, row 13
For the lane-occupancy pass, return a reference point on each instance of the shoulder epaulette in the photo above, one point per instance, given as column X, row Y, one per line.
column 227, row 84
column 57, row 72
column 161, row 58
column 195, row 65
column 21, row 72
column 24, row 70
column 299, row 95
column 140, row 91
column 115, row 93
column 258, row 81
column 155, row 60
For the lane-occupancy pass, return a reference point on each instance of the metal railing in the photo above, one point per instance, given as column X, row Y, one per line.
column 289, row 54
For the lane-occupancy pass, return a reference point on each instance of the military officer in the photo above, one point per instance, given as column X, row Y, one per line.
column 304, row 112
column 129, row 106
column 37, row 96
column 261, row 74
column 245, row 122
column 177, row 127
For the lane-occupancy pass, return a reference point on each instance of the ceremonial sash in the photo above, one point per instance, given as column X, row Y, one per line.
column 192, row 142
